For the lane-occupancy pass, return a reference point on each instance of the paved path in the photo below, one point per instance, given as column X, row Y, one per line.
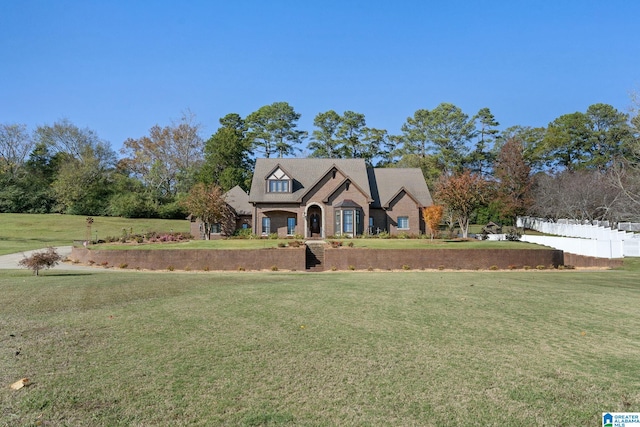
column 11, row 261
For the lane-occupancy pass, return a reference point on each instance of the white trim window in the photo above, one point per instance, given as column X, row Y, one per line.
column 266, row 225
column 403, row 223
column 291, row 226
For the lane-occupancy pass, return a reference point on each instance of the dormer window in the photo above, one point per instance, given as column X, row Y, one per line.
column 279, row 182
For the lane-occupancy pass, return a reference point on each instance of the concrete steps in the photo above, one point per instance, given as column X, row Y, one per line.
column 315, row 256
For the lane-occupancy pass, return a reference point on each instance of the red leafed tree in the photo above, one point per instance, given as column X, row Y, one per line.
column 462, row 194
column 432, row 216
column 514, row 180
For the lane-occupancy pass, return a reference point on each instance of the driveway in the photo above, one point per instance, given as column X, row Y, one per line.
column 11, row 261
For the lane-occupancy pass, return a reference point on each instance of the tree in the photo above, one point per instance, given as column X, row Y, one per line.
column 207, row 203
column 567, row 142
column 227, row 160
column 432, row 216
column 83, row 164
column 167, row 159
column 443, row 132
column 531, row 140
column 41, row 259
column 351, row 134
column 272, row 130
column 82, row 187
column 79, row 143
column 324, row 140
column 514, row 180
column 462, row 193
column 582, row 195
column 15, row 146
column 374, row 140
column 481, row 158
column 450, row 131
column 611, row 135
column 416, row 134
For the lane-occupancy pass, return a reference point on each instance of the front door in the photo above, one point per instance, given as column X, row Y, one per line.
column 315, row 221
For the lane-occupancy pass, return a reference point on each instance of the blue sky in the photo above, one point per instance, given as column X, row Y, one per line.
column 120, row 67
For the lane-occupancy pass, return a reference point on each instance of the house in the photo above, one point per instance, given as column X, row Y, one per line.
column 335, row 197
column 317, row 198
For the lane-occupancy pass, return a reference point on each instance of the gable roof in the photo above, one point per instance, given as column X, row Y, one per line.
column 238, row 200
column 387, row 183
column 305, row 173
column 380, row 185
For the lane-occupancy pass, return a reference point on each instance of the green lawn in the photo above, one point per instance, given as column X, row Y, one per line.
column 357, row 243
column 258, row 349
column 21, row 232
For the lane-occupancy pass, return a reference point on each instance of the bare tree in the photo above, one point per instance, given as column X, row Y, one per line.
column 15, row 146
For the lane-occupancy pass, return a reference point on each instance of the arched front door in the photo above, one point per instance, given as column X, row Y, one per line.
column 314, row 222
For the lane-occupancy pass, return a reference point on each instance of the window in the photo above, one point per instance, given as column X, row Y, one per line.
column 266, row 225
column 338, row 223
column 278, row 186
column 279, row 182
column 215, row 228
column 347, row 220
column 403, row 223
column 291, row 226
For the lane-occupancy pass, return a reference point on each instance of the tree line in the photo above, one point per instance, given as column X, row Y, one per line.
column 583, row 165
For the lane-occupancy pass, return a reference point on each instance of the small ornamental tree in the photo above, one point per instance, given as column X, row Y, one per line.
column 462, row 194
column 207, row 203
column 48, row 258
column 432, row 216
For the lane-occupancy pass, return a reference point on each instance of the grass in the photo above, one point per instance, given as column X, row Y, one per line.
column 258, row 349
column 22, row 232
column 357, row 243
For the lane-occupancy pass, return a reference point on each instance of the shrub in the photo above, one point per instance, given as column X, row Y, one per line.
column 441, row 267
column 540, row 267
column 243, row 233
column 513, row 235
column 370, row 268
column 406, row 267
column 384, row 235
column 352, row 267
column 494, row 267
column 48, row 258
column 512, row 267
column 273, row 236
column 527, row 267
column 104, row 263
column 171, row 268
column 282, row 245
column 123, row 265
column 403, row 235
column 240, row 268
column 206, row 268
column 334, row 268
column 336, row 243
column 350, row 244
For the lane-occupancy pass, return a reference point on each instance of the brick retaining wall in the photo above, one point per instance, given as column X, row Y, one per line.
column 195, row 259
column 465, row 259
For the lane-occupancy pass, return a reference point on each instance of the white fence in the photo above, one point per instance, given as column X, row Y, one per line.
column 582, row 239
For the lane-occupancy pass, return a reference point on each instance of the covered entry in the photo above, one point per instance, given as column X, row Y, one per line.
column 314, row 219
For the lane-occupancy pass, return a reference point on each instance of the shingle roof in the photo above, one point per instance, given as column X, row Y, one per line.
column 383, row 184
column 238, row 200
column 305, row 173
column 386, row 183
